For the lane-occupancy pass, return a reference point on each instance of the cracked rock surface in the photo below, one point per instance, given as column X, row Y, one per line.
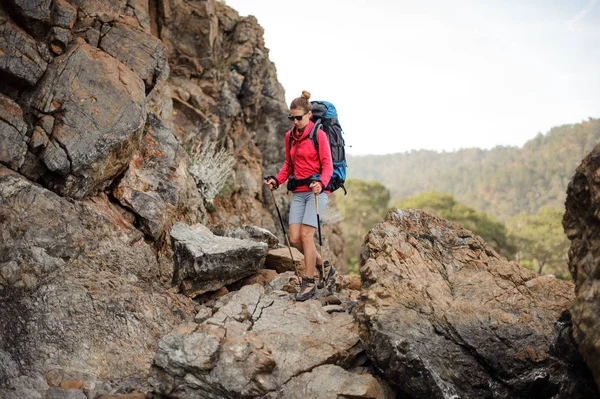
column 259, row 343
column 443, row 315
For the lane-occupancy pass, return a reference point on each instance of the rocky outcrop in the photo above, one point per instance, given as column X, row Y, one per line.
column 260, row 344
column 443, row 315
column 205, row 262
column 98, row 110
column 80, row 288
column 582, row 227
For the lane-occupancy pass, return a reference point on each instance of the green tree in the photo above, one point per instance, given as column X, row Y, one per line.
column 541, row 241
column 365, row 205
column 445, row 206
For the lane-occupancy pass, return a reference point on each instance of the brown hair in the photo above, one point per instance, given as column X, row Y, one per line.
column 302, row 102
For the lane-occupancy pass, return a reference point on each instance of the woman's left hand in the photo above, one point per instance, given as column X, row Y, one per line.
column 315, row 186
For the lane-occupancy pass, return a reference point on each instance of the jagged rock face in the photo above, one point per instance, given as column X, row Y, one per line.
column 103, row 104
column 260, row 344
column 583, row 229
column 98, row 110
column 443, row 315
column 80, row 297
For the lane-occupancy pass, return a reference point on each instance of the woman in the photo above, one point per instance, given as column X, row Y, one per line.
column 309, row 172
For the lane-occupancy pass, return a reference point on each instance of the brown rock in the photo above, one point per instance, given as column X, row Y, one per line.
column 143, row 53
column 581, row 226
column 21, row 57
column 442, row 314
column 13, row 130
column 89, row 91
column 279, row 260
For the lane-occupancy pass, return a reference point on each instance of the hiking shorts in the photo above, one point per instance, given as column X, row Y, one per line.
column 303, row 208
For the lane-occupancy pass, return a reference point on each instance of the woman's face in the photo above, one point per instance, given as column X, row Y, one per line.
column 305, row 117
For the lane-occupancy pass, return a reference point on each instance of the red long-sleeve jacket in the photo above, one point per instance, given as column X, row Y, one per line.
column 303, row 159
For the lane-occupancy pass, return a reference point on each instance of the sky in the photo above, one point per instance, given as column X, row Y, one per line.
column 437, row 75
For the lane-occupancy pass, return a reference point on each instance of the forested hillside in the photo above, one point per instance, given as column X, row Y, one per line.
column 503, row 181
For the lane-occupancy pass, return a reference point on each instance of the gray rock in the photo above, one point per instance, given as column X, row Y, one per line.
column 35, row 10
column 205, row 262
column 254, row 233
column 258, row 344
column 63, row 14
column 90, row 290
column 58, row 393
column 144, row 54
column 156, row 185
column 13, row 134
column 443, row 315
column 89, row 91
column 21, row 56
column 332, row 382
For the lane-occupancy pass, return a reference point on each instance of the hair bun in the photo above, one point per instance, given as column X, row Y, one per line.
column 306, row 94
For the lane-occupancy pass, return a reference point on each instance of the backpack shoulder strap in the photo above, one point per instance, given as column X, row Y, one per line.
column 314, row 134
column 314, row 138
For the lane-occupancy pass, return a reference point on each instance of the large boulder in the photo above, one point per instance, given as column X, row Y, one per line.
column 98, row 106
column 258, row 345
column 206, row 262
column 443, row 315
column 142, row 53
column 80, row 293
column 583, row 229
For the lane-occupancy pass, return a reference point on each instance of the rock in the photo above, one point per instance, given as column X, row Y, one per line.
column 59, row 39
column 143, row 53
column 63, row 14
column 58, row 393
column 205, row 262
column 332, row 382
column 89, row 91
column 102, row 10
column 21, row 57
column 350, row 282
column 156, row 181
column 580, row 224
column 254, row 233
column 13, row 134
column 443, row 315
column 203, row 313
column 279, row 260
column 256, row 344
column 97, row 293
column 35, row 10
column 333, row 308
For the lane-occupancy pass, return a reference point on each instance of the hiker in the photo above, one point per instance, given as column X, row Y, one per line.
column 308, row 172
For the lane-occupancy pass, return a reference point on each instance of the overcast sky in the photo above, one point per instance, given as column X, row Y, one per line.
column 434, row 74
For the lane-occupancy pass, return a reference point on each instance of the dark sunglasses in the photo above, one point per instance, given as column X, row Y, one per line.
column 298, row 118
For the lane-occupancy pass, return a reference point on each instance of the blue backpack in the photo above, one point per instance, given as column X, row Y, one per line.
column 325, row 118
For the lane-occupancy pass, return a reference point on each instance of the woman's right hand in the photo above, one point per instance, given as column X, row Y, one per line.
column 271, row 183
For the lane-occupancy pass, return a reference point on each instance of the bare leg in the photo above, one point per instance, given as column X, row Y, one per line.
column 307, row 234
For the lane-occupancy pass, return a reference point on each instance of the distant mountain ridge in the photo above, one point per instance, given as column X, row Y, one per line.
column 503, row 181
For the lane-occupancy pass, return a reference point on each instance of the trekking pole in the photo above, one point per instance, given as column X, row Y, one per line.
column 320, row 240
column 287, row 238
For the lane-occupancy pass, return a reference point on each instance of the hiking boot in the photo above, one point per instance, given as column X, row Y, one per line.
column 307, row 289
column 329, row 271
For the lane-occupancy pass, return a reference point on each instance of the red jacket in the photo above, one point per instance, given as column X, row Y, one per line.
column 303, row 159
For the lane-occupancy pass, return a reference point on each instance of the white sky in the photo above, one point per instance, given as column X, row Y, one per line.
column 435, row 74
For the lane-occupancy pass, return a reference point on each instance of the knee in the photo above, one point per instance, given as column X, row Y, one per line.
column 295, row 241
column 306, row 237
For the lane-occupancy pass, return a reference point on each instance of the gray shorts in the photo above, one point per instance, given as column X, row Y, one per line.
column 303, row 209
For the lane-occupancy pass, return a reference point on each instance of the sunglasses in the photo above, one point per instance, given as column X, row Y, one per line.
column 298, row 118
